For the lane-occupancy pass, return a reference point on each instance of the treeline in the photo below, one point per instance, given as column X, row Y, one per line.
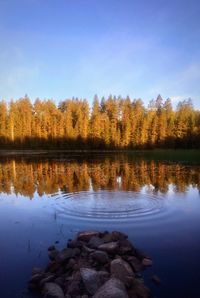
column 112, row 123
column 50, row 177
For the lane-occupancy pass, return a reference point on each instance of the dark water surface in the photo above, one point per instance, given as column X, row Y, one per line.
column 157, row 203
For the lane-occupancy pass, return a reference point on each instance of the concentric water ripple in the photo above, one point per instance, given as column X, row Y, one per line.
column 111, row 205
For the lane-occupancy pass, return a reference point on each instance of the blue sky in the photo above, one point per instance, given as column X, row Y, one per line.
column 63, row 48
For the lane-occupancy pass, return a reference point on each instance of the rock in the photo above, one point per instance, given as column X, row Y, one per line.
column 36, row 278
column 87, row 249
column 107, row 237
column 121, row 270
column 140, row 254
column 53, row 267
column 125, row 246
column 94, row 264
column 113, row 288
column 65, row 255
column 147, row 262
column 111, row 247
column 104, row 276
column 135, row 263
column 53, row 254
column 86, row 235
column 70, row 264
column 48, row 278
column 60, row 281
column 73, row 288
column 118, row 236
column 95, row 241
column 114, row 236
column 77, row 276
column 100, row 256
column 75, row 243
column 91, row 279
column 52, row 290
column 156, row 279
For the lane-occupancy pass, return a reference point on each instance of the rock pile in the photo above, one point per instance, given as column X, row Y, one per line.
column 94, row 264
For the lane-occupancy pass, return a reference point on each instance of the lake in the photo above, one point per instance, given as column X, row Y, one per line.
column 154, row 198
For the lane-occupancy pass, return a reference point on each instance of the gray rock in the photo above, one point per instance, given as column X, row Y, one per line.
column 113, row 288
column 100, row 256
column 110, row 247
column 86, row 235
column 65, row 255
column 91, row 279
column 52, row 290
column 121, row 270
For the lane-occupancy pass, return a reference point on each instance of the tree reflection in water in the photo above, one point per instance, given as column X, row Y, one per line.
column 44, row 176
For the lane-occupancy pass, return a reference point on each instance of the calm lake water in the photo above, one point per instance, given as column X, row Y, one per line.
column 156, row 202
